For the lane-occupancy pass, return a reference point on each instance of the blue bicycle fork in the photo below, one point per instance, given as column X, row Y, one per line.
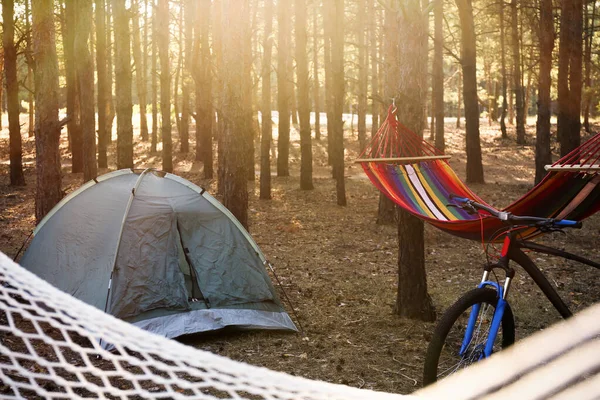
column 496, row 321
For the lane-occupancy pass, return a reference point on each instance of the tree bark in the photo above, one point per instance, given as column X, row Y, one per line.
column 459, row 89
column 569, row 76
column 337, row 71
column 438, row 74
column 47, row 126
column 154, row 73
column 110, row 43
column 373, row 39
column 165, row 83
column 503, row 72
column 123, row 84
column 204, row 98
column 139, row 68
column 73, row 110
column 316, row 85
column 102, row 83
column 363, row 79
column 190, row 13
column 17, row 177
column 235, row 193
column 469, row 68
column 283, row 86
column 518, row 87
column 306, row 182
column 412, row 299
column 266, row 123
column 327, row 38
column 31, row 91
column 588, row 92
column 84, row 71
column 543, row 155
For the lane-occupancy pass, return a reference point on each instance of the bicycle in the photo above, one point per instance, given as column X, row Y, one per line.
column 481, row 321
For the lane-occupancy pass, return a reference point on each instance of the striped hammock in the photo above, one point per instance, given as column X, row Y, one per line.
column 421, row 182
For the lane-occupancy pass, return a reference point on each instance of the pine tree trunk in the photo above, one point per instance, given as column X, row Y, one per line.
column 12, row 94
column 283, row 95
column 337, row 72
column 154, row 73
column 373, row 40
column 469, row 68
column 266, row 123
column 190, row 13
column 327, row 38
column 165, row 83
column 459, row 89
column 316, row 85
column 204, row 108
column 412, row 299
column 235, row 192
column 543, row 155
column 139, row 68
column 363, row 79
column 588, row 92
column 1, row 86
column 503, row 72
column 438, row 74
column 123, row 84
column 47, row 126
column 102, row 83
column 306, row 182
column 110, row 47
column 518, row 87
column 73, row 110
column 247, row 68
column 84, row 67
column 569, row 76
column 30, row 86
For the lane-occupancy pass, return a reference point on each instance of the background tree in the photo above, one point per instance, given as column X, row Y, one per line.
column 363, row 79
column 139, row 66
column 337, row 72
column 84, row 67
column 306, row 182
column 103, row 83
column 12, row 93
column 503, row 72
column 266, row 123
column 165, row 83
column 47, row 125
column 520, row 111
column 438, row 74
column 123, row 86
column 69, row 27
column 283, row 95
column 235, row 193
column 204, row 98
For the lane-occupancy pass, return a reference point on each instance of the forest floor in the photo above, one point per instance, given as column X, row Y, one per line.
column 340, row 269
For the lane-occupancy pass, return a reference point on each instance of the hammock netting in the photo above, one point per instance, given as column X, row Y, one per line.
column 417, row 177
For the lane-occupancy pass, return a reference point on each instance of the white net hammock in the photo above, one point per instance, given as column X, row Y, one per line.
column 50, row 348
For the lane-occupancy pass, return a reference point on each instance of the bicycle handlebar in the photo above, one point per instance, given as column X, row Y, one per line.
column 509, row 217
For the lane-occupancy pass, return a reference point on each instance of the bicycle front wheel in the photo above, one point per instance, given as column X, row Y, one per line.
column 443, row 354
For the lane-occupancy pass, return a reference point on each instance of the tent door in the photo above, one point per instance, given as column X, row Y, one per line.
column 189, row 272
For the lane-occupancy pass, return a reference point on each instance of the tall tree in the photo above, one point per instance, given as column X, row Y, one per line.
column 123, row 85
column 517, row 78
column 469, row 70
column 154, row 74
column 165, row 83
column 316, row 85
column 204, row 107
column 30, row 87
column 139, row 67
column 266, row 123
column 84, row 71
column 589, row 29
column 47, row 125
column 337, row 71
column 503, row 72
column 306, row 182
column 12, row 93
column 412, row 299
column 283, row 86
column 569, row 76
column 373, row 39
column 235, row 193
column 189, row 10
column 73, row 106
column 103, row 84
column 438, row 74
column 110, row 103
column 543, row 154
column 363, row 79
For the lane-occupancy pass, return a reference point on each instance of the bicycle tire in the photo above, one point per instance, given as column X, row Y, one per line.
column 450, row 318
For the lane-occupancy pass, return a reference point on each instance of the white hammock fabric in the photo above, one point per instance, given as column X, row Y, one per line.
column 50, row 347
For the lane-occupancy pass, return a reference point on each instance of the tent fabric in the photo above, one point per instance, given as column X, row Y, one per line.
column 180, row 262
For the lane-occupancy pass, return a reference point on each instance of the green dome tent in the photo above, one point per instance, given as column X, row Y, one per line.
column 157, row 251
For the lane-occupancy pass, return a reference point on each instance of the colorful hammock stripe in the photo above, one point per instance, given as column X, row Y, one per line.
column 424, row 188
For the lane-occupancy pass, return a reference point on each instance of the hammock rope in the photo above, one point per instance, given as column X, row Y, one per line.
column 418, row 178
